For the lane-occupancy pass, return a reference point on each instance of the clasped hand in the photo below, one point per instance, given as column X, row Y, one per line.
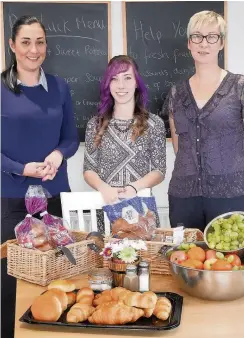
column 46, row 170
column 113, row 194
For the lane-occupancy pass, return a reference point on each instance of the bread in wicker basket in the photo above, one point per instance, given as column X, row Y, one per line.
column 41, row 268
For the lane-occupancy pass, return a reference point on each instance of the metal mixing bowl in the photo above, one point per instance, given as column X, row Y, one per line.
column 209, row 228
column 207, row 284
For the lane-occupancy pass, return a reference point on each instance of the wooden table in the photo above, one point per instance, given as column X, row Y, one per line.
column 200, row 318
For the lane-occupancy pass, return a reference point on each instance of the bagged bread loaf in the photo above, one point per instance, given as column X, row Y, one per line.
column 134, row 218
column 31, row 232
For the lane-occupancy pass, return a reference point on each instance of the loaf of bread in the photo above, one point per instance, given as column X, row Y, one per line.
column 47, row 307
column 62, row 284
column 61, row 295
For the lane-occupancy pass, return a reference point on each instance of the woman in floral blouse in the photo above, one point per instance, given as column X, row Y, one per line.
column 125, row 149
column 206, row 116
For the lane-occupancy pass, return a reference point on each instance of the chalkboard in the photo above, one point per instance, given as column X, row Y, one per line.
column 78, row 48
column 157, row 40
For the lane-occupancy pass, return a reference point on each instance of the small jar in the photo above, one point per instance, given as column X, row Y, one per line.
column 100, row 279
column 131, row 278
column 144, row 276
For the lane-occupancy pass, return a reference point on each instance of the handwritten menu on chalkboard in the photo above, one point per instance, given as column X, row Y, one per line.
column 77, row 36
column 157, row 40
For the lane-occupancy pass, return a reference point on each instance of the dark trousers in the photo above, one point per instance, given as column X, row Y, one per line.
column 12, row 212
column 197, row 212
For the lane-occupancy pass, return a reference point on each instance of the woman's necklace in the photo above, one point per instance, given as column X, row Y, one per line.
column 125, row 130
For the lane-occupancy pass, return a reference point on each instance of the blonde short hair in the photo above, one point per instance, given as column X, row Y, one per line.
column 206, row 18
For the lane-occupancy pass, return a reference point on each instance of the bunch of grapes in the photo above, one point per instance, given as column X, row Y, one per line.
column 227, row 234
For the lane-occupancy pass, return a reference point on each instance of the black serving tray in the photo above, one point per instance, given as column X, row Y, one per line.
column 152, row 323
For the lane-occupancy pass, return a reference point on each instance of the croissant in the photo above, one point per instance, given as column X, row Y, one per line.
column 148, row 312
column 105, row 305
column 85, row 293
column 79, row 313
column 146, row 300
column 108, row 295
column 163, row 308
column 115, row 314
column 71, row 298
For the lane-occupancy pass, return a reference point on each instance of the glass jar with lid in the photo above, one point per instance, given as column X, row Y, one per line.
column 100, row 279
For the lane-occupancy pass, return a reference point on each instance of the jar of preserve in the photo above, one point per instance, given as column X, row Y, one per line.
column 100, row 279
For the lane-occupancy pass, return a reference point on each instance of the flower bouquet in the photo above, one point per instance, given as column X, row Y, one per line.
column 120, row 253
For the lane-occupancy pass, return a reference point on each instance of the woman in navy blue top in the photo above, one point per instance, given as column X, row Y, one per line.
column 38, row 128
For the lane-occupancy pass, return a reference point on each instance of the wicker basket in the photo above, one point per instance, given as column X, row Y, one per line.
column 159, row 266
column 41, row 268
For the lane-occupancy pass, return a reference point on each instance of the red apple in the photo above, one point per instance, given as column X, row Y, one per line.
column 221, row 265
column 210, row 254
column 178, row 256
column 207, row 265
column 233, row 259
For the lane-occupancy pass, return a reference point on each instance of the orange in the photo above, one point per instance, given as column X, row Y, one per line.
column 197, row 253
column 192, row 263
column 221, row 265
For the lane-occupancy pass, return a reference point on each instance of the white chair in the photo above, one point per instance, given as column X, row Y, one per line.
column 88, row 200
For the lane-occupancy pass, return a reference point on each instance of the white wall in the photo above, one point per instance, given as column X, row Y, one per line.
column 235, row 57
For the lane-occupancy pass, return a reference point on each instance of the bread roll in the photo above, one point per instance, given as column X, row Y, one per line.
column 64, row 285
column 71, row 298
column 85, row 296
column 47, row 307
column 61, row 295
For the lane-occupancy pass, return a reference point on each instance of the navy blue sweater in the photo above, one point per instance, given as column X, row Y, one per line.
column 35, row 123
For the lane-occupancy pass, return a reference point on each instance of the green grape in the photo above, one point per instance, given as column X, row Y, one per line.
column 185, row 246
column 219, row 246
column 217, row 239
column 241, row 226
column 234, row 234
column 235, row 243
column 234, row 227
column 226, row 247
column 227, row 239
column 235, row 268
column 211, row 245
column 192, row 245
column 220, row 255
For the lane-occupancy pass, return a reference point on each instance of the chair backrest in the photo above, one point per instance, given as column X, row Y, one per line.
column 88, row 200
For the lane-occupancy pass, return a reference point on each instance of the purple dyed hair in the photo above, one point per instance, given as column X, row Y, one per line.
column 120, row 64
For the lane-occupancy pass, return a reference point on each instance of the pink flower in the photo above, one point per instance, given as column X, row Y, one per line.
column 108, row 252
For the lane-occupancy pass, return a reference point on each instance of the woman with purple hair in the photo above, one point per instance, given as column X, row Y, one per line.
column 125, row 149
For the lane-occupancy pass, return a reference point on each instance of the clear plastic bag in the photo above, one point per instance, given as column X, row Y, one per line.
column 134, row 218
column 31, row 232
column 56, row 229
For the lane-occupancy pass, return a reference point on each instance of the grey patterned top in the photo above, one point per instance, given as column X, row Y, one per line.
column 210, row 158
column 118, row 160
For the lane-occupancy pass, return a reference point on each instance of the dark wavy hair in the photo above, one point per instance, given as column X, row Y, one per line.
column 119, row 64
column 9, row 76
